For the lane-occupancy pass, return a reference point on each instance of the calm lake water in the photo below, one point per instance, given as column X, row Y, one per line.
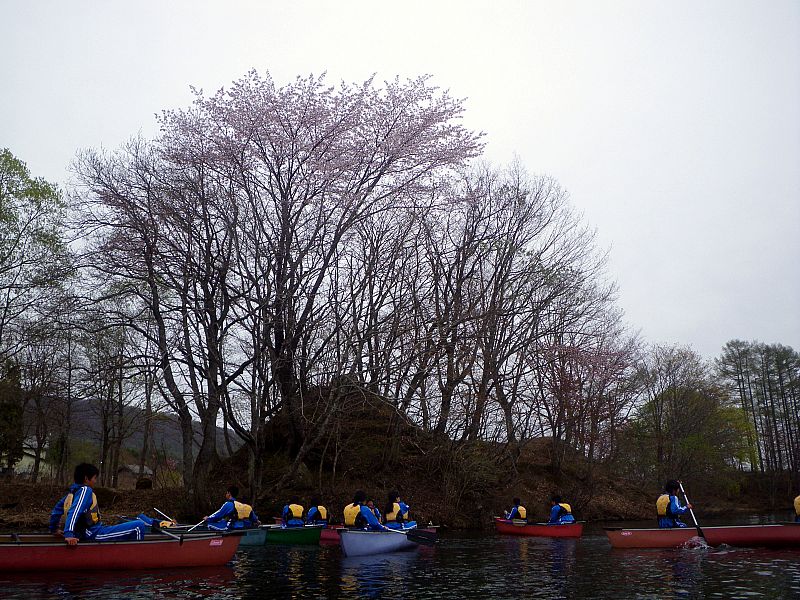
column 459, row 566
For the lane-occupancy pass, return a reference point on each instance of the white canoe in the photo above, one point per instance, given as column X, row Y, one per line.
column 356, row 542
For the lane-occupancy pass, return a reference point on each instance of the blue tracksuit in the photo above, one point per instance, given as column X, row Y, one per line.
column 675, row 508
column 314, row 517
column 78, row 523
column 221, row 520
column 289, row 519
column 404, row 508
column 556, row 516
column 513, row 513
column 372, row 520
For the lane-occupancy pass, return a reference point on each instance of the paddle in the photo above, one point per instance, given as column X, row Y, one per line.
column 193, row 527
column 691, row 512
column 168, row 518
column 426, row 538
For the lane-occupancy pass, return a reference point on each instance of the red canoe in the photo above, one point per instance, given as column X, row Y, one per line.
column 565, row 530
column 41, row 552
column 767, row 536
column 330, row 534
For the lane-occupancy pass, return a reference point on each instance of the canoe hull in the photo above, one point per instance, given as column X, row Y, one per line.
column 567, row 530
column 330, row 535
column 766, row 536
column 366, row 543
column 156, row 553
column 254, row 537
column 306, row 535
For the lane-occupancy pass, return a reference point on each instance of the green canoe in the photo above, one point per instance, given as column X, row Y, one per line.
column 308, row 534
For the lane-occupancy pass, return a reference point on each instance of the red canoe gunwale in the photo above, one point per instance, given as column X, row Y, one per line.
column 564, row 530
column 41, row 553
column 764, row 536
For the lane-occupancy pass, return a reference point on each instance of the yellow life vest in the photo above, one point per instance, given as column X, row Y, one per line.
column 351, row 511
column 522, row 512
column 323, row 513
column 797, row 506
column 662, row 506
column 566, row 507
column 242, row 510
column 391, row 517
column 295, row 511
column 88, row 519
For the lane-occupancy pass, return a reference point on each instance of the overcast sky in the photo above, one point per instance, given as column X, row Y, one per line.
column 675, row 126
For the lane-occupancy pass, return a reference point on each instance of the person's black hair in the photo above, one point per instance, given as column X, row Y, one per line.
column 294, row 500
column 517, row 501
column 233, row 491
column 314, row 501
column 672, row 486
column 555, row 498
column 83, row 472
column 359, row 497
column 394, row 495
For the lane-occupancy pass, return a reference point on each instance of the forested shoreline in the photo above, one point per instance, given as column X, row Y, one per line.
column 282, row 262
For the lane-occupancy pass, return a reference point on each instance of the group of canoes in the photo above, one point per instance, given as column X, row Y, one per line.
column 671, row 532
column 366, row 531
column 85, row 542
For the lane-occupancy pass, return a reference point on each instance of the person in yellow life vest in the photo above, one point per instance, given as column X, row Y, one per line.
column 397, row 513
column 669, row 508
column 560, row 512
column 317, row 514
column 359, row 515
column 517, row 511
column 797, row 509
column 232, row 514
column 293, row 513
column 83, row 514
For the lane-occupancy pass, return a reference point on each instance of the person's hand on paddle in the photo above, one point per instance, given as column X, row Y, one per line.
column 58, row 533
column 71, row 541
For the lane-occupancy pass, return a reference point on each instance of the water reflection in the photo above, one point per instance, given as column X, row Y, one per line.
column 204, row 582
column 460, row 566
column 371, row 576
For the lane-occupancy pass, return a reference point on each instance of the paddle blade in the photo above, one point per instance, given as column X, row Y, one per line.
column 427, row 538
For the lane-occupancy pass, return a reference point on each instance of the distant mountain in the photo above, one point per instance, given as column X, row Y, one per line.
column 166, row 432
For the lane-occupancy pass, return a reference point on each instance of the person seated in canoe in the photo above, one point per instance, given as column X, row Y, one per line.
column 232, row 514
column 359, row 515
column 397, row 513
column 669, row 507
column 797, row 510
column 292, row 515
column 517, row 512
column 560, row 512
column 317, row 514
column 83, row 514
column 374, row 509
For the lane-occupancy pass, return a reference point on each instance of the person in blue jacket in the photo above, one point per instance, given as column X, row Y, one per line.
column 317, row 514
column 518, row 511
column 232, row 514
column 397, row 516
column 292, row 515
column 669, row 507
column 83, row 514
column 560, row 512
column 359, row 515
